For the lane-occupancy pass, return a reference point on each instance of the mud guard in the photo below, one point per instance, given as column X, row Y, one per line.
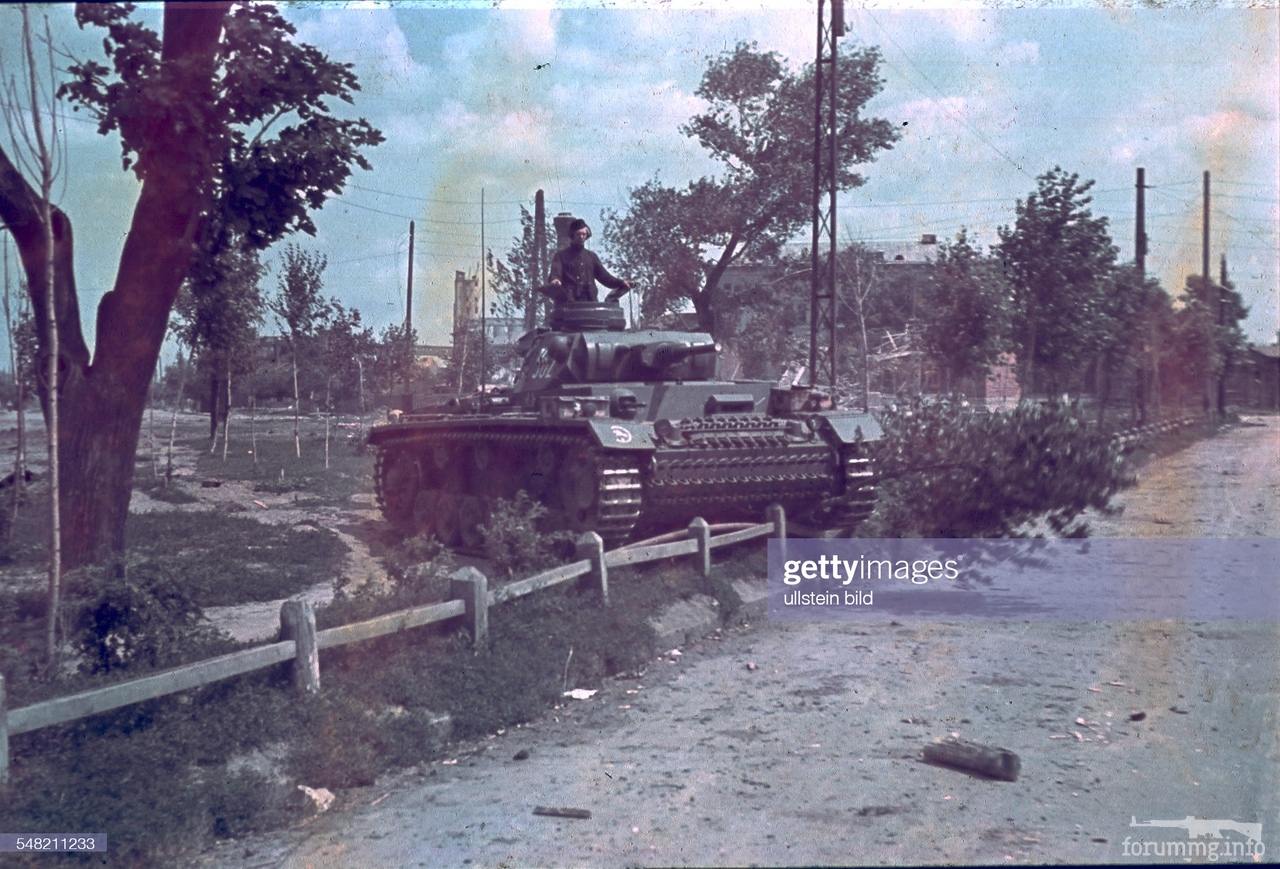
column 615, row 434
column 850, row 428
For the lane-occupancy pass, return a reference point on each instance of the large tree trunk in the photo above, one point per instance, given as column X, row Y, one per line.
column 100, row 425
column 102, row 402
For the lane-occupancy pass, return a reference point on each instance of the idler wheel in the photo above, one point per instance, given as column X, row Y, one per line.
column 578, row 490
column 400, row 481
column 542, row 471
column 425, row 508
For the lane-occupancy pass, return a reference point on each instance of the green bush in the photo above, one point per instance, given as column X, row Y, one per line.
column 948, row 470
column 513, row 541
column 140, row 615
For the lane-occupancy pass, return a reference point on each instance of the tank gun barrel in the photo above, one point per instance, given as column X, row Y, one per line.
column 667, row 353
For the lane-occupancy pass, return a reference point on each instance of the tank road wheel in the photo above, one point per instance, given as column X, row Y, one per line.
column 472, row 516
column 399, row 479
column 578, row 490
column 539, row 477
column 447, row 524
column 425, row 508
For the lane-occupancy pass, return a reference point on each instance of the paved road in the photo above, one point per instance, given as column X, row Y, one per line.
column 812, row 755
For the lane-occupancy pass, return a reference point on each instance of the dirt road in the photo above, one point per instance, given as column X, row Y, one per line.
column 801, row 743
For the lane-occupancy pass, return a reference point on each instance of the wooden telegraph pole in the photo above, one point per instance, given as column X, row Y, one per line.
column 539, row 267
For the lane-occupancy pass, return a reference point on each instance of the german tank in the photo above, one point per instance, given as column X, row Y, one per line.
column 624, row 432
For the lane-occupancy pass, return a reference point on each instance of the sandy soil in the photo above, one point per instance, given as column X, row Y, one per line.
column 801, row 743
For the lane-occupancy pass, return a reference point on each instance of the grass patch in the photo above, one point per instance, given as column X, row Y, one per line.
column 225, row 559
column 156, row 490
column 279, row 471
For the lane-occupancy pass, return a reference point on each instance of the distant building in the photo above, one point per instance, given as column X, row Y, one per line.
column 466, row 300
column 1254, row 381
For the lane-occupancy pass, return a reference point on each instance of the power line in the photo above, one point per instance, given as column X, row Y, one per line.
column 1014, row 163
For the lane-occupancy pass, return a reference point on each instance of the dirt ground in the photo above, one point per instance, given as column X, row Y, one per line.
column 356, row 522
column 797, row 744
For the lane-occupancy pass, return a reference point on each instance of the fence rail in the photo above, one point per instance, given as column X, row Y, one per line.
column 301, row 642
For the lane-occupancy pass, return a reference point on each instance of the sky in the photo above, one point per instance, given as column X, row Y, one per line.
column 585, row 99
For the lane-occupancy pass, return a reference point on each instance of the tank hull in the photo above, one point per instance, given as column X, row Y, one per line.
column 441, row 473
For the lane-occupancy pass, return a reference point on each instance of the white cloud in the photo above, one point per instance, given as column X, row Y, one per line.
column 1019, row 52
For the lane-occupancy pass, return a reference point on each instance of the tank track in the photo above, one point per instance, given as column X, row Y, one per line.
column 618, row 490
column 721, row 474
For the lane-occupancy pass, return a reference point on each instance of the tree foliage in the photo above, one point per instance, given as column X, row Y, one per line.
column 1058, row 258
column 265, row 183
column 524, row 268
column 225, row 122
column 677, row 242
column 949, row 470
column 964, row 318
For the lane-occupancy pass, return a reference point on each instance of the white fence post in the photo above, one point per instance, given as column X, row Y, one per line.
column 700, row 531
column 472, row 588
column 298, row 623
column 4, row 734
column 778, row 517
column 591, row 547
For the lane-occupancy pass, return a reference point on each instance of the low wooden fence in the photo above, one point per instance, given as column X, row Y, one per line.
column 1130, row 436
column 300, row 642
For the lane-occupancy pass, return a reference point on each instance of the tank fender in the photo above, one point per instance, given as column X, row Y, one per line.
column 619, row 434
column 850, row 427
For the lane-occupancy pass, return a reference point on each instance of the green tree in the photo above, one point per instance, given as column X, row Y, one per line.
column 515, row 277
column 346, row 347
column 1208, row 339
column 300, row 310
column 676, row 243
column 1058, row 258
column 1135, row 309
column 220, row 323
column 193, row 109
column 965, row 315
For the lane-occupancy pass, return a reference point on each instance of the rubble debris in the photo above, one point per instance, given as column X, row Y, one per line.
column 557, row 812
column 1137, row 715
column 998, row 763
column 522, row 754
column 321, row 798
column 581, row 693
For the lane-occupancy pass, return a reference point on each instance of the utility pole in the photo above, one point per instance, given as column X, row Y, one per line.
column 1204, row 246
column 822, row 281
column 1222, row 322
column 1140, row 260
column 408, row 299
column 1204, row 274
column 484, row 267
column 1140, row 235
column 539, row 267
column 408, row 327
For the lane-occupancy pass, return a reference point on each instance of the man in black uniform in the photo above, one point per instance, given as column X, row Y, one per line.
column 575, row 270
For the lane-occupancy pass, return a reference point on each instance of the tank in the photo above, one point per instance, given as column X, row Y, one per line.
column 626, row 433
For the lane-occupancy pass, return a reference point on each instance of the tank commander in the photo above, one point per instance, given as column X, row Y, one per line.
column 575, row 270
